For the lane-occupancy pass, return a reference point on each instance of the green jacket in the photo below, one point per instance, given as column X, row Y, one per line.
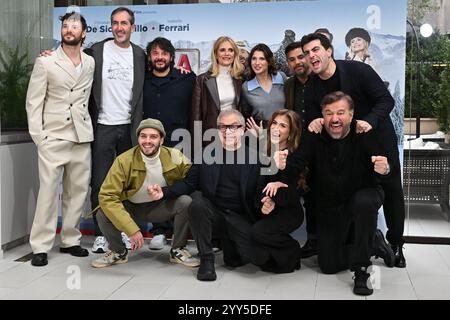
column 125, row 178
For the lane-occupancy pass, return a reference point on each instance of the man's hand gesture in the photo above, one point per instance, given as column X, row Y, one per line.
column 155, row 192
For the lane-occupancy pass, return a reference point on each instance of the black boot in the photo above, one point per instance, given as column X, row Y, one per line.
column 361, row 278
column 382, row 250
column 309, row 249
column 206, row 271
column 400, row 261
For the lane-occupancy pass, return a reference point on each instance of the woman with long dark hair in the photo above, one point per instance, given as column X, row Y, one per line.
column 263, row 93
column 281, row 210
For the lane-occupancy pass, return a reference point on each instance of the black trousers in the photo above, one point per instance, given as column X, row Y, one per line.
column 266, row 243
column 278, row 251
column 232, row 228
column 346, row 233
column 109, row 142
column 394, row 201
column 393, row 206
column 310, row 215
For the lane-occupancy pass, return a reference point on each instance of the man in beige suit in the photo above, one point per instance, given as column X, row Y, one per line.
column 60, row 126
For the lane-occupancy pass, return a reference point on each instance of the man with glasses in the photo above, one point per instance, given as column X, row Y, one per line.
column 227, row 179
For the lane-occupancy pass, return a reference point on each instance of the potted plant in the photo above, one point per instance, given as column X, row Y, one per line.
column 15, row 70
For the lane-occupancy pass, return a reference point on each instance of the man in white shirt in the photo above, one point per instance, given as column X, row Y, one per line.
column 116, row 102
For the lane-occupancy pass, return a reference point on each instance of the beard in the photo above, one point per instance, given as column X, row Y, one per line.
column 160, row 69
column 74, row 42
column 150, row 153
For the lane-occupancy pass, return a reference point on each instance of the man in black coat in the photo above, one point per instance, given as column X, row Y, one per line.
column 373, row 103
column 349, row 167
column 227, row 178
column 226, row 207
column 167, row 90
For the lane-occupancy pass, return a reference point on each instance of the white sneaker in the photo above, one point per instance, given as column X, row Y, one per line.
column 158, row 242
column 100, row 245
column 110, row 258
column 126, row 241
column 184, row 257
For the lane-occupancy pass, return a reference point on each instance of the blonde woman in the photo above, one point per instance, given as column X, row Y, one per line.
column 358, row 42
column 219, row 88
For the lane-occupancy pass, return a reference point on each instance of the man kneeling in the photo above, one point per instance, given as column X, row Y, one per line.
column 127, row 194
column 348, row 170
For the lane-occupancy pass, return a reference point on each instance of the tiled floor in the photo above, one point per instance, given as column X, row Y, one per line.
column 149, row 275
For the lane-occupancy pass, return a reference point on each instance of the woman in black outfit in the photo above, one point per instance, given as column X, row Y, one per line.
column 281, row 210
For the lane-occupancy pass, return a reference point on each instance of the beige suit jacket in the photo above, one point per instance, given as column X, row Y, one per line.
column 57, row 99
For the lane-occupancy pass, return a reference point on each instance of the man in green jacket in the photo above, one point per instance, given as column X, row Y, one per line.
column 127, row 195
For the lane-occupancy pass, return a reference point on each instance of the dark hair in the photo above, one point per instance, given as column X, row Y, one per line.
column 295, row 131
column 295, row 128
column 324, row 41
column 163, row 44
column 268, row 54
column 292, row 46
column 325, row 30
column 121, row 9
column 75, row 16
column 337, row 96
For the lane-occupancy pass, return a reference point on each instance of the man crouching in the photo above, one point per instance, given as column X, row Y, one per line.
column 127, row 194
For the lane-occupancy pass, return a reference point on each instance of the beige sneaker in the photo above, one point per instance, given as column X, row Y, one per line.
column 110, row 258
column 184, row 257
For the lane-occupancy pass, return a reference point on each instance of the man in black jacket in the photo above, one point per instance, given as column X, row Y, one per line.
column 348, row 167
column 373, row 103
column 294, row 90
column 227, row 178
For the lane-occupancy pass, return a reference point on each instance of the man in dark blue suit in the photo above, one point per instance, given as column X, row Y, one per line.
column 373, row 103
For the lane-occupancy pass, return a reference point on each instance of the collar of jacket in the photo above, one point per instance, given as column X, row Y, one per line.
column 164, row 156
column 254, row 83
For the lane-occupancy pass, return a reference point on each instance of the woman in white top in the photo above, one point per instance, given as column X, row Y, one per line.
column 220, row 87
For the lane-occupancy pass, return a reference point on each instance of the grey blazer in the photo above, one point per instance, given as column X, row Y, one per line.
column 139, row 66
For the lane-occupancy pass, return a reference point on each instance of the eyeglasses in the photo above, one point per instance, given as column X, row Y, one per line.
column 231, row 127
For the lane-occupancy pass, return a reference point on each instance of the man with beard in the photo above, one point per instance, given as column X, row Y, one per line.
column 294, row 90
column 61, row 128
column 116, row 102
column 349, row 168
column 132, row 191
column 373, row 104
column 167, row 97
column 294, row 87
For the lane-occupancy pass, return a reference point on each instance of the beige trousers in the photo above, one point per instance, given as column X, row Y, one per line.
column 74, row 161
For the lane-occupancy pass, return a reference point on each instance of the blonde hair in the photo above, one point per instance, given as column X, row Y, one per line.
column 236, row 67
column 358, row 56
